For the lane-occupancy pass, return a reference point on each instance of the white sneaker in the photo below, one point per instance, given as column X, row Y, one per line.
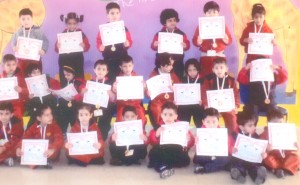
column 9, row 162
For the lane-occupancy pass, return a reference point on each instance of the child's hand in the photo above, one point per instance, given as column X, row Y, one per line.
column 82, row 45
column 101, row 48
column 159, row 131
column 234, row 150
column 18, row 89
column 84, row 90
column 49, row 152
column 126, row 44
column 235, row 111
column 42, row 52
column 274, row 67
column 183, row 45
column 174, row 102
column 200, row 102
column 31, row 96
column 149, row 93
column 114, row 136
column 273, row 42
column 269, row 147
column 155, row 44
column 2, row 148
column 58, row 45
column 19, row 152
column 264, row 155
column 68, row 145
column 143, row 137
column 111, row 95
column 171, row 87
column 248, row 66
column 97, row 145
column 226, row 39
column 248, row 40
column 199, row 40
column 296, row 145
column 197, row 140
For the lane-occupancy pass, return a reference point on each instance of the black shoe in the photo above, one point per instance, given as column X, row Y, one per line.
column 166, row 173
column 261, row 175
column 236, row 175
column 49, row 165
column 115, row 162
column 98, row 161
column 198, row 169
column 279, row 173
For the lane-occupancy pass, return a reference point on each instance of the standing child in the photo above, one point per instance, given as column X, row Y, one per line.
column 113, row 54
column 169, row 19
column 74, row 60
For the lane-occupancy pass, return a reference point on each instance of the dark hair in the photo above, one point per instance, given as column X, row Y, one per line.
column 25, row 11
column 7, row 106
column 220, row 60
column 245, row 116
column 112, row 5
column 162, row 59
column 69, row 70
column 126, row 59
column 100, row 62
column 8, row 57
column 258, row 8
column 129, row 108
column 88, row 107
column 274, row 113
column 31, row 67
column 191, row 61
column 211, row 5
column 168, row 14
column 169, row 105
column 211, row 112
column 71, row 15
column 41, row 109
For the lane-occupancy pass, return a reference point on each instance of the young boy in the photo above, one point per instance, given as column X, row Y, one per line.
column 164, row 157
column 281, row 162
column 113, row 54
column 30, row 31
column 10, row 69
column 220, row 80
column 10, row 134
column 169, row 19
column 209, row 48
column 119, row 154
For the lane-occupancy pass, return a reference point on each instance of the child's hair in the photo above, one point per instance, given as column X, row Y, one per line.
column 191, row 61
column 129, row 108
column 245, row 116
column 100, row 62
column 69, row 70
column 112, row 5
column 273, row 114
column 41, row 109
column 8, row 57
column 211, row 5
column 85, row 106
column 220, row 60
column 168, row 14
column 169, row 105
column 7, row 106
column 211, row 112
column 258, row 8
column 31, row 67
column 126, row 59
column 71, row 15
column 25, row 11
column 162, row 59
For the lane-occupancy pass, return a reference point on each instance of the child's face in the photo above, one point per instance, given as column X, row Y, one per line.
column 192, row 71
column 171, row 23
column 168, row 116
column 212, row 13
column 211, row 122
column 249, row 127
column 129, row 116
column 46, row 118
column 26, row 21
column 10, row 66
column 72, row 24
column 5, row 116
column 114, row 15
column 35, row 72
column 69, row 76
column 259, row 19
column 101, row 71
column 84, row 116
column 277, row 120
column 220, row 70
column 167, row 68
column 127, row 68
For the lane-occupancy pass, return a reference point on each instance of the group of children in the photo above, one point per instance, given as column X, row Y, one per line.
column 51, row 115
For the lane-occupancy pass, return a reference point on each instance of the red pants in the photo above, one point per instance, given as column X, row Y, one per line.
column 23, row 64
column 230, row 120
column 139, row 109
column 7, row 154
column 206, row 64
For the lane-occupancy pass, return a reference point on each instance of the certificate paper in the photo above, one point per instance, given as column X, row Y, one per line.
column 113, row 33
column 7, row 90
column 282, row 136
column 261, row 70
column 34, row 150
column 159, row 84
column 37, row 85
column 97, row 94
column 250, row 149
column 187, row 94
column 70, row 42
column 130, row 88
column 66, row 93
column 175, row 133
column 262, row 43
column 28, row 48
column 170, row 43
column 211, row 27
column 212, row 142
column 222, row 100
column 128, row 133
column 83, row 143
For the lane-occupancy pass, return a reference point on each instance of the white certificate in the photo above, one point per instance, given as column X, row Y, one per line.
column 187, row 94
column 222, row 100
column 7, row 90
column 170, row 43
column 38, row 85
column 159, row 84
column 250, row 149
column 175, row 133
column 33, row 152
column 262, row 43
column 212, row 142
column 29, row 48
column 83, row 143
column 130, row 88
column 261, row 70
column 70, row 42
column 113, row 33
column 211, row 27
column 129, row 133
column 66, row 93
column 282, row 136
column 97, row 94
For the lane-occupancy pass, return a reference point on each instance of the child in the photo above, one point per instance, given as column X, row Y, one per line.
column 220, row 80
column 34, row 102
column 211, row 49
column 169, row 19
column 164, row 65
column 164, row 157
column 30, row 31
column 247, row 126
column 120, row 154
column 10, row 69
column 258, row 25
column 45, row 128
column 113, row 54
column 74, row 60
column 185, row 112
column 10, row 134
column 281, row 162
column 209, row 164
column 86, row 123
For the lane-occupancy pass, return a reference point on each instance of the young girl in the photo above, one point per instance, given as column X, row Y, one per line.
column 86, row 123
column 74, row 60
column 185, row 112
